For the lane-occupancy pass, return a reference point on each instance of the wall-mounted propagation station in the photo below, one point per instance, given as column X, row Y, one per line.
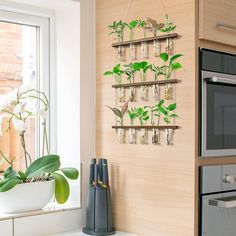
column 140, row 75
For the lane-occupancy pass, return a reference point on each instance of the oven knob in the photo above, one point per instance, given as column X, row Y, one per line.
column 214, row 79
column 229, row 179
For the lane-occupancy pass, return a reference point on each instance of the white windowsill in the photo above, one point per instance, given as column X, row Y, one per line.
column 79, row 233
column 52, row 207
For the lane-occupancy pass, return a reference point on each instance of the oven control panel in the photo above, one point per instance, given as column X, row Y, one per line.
column 217, row 178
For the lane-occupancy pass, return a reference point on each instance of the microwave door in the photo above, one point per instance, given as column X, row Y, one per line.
column 218, row 117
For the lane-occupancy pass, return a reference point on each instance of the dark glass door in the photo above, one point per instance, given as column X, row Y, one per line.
column 220, row 116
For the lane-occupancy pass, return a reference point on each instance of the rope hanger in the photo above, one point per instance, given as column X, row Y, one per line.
column 131, row 3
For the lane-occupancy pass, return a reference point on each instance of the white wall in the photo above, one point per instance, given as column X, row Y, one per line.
column 87, row 91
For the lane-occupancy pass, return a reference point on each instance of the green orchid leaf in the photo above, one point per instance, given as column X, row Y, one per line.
column 108, row 73
column 70, row 172
column 42, row 165
column 62, row 188
column 175, row 57
column 21, row 175
column 3, row 181
column 164, row 56
column 172, row 107
column 9, row 184
column 10, row 173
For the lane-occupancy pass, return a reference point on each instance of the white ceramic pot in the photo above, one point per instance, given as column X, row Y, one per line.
column 27, row 197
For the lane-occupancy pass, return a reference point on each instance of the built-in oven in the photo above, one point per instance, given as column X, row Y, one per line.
column 217, row 104
column 217, row 201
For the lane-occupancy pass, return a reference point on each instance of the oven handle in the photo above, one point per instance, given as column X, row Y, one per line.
column 216, row 79
column 223, row 202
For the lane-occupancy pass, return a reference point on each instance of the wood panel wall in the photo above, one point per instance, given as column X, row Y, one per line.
column 152, row 186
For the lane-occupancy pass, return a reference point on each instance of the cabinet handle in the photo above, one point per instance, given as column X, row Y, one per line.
column 224, row 25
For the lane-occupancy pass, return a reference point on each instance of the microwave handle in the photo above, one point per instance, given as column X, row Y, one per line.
column 223, row 202
column 216, row 79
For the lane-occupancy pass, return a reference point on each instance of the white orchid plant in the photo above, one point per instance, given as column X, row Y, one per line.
column 18, row 106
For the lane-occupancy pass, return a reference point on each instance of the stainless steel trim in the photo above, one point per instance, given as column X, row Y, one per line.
column 216, row 79
column 204, row 151
column 227, row 202
column 225, row 25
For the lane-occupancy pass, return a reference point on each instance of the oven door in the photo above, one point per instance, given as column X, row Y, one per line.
column 218, row 214
column 218, row 121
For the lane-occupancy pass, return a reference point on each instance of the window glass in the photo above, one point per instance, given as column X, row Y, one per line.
column 18, row 67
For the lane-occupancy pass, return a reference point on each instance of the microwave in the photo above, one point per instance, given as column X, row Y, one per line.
column 217, row 103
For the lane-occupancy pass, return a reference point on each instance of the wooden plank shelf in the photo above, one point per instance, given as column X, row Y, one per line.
column 148, row 40
column 146, row 127
column 147, row 83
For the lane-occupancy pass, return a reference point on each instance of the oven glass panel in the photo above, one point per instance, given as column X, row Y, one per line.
column 221, row 116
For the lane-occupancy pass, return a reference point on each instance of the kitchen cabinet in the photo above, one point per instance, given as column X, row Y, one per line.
column 217, row 21
column 6, row 228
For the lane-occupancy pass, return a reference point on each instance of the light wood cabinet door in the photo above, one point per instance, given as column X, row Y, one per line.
column 218, row 21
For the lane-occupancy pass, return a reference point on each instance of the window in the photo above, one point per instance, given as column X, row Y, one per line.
column 58, row 45
column 24, row 60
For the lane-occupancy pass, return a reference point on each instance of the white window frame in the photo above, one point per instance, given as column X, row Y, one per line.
column 45, row 20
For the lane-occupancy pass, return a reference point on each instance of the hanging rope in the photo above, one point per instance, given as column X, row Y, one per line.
column 131, row 3
column 163, row 6
column 127, row 11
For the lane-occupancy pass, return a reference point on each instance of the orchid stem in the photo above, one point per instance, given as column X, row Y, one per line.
column 5, row 158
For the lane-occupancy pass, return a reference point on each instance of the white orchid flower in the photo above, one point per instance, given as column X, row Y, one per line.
column 11, row 97
column 18, row 124
column 19, row 108
column 31, row 106
column 1, row 119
